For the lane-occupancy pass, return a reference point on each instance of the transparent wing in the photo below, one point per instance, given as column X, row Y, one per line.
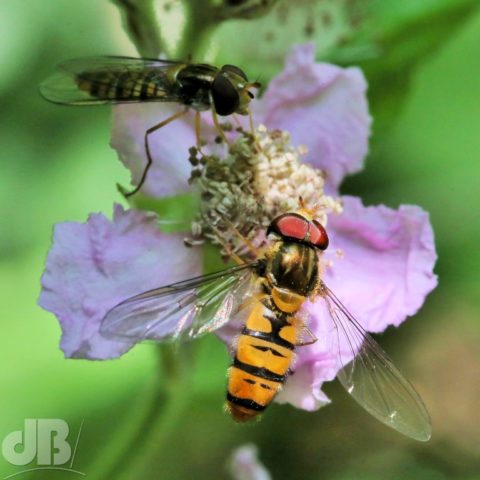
column 113, row 62
column 184, row 310
column 104, row 73
column 369, row 376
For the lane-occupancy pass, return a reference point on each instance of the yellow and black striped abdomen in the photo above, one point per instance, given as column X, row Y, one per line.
column 264, row 354
column 123, row 85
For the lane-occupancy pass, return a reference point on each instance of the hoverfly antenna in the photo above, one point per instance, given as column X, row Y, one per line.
column 310, row 212
column 255, row 85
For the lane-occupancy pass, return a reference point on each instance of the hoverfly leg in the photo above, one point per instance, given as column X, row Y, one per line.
column 236, row 120
column 147, row 149
column 250, row 120
column 198, row 131
column 218, row 127
column 312, row 336
column 252, row 131
column 227, row 249
column 253, row 249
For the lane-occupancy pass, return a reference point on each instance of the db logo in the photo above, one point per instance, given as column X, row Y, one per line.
column 44, row 441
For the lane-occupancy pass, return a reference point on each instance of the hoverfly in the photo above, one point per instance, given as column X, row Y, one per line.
column 268, row 294
column 112, row 80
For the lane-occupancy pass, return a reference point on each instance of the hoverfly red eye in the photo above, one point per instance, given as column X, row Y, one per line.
column 289, row 225
column 318, row 235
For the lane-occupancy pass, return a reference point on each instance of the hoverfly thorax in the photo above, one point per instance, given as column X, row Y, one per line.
column 230, row 91
column 292, row 266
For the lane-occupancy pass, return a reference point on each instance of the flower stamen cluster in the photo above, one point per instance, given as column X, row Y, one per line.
column 260, row 177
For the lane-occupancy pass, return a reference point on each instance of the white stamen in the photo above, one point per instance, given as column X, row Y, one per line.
column 259, row 179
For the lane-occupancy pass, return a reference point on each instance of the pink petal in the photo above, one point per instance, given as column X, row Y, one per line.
column 303, row 389
column 245, row 464
column 384, row 276
column 387, row 269
column 93, row 266
column 323, row 107
column 169, row 146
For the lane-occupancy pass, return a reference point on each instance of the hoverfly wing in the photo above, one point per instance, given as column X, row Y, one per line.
column 113, row 62
column 371, row 378
column 102, row 80
column 62, row 88
column 182, row 311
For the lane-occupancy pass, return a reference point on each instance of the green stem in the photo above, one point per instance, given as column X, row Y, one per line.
column 145, row 436
column 244, row 10
column 199, row 22
column 140, row 23
column 202, row 16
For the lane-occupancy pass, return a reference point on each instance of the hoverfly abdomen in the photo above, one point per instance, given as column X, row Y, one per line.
column 265, row 350
column 100, row 85
column 122, row 86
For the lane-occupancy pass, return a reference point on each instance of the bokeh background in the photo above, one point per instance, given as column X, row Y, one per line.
column 57, row 166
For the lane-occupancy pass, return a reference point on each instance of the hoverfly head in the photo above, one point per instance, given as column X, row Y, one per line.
column 230, row 91
column 298, row 228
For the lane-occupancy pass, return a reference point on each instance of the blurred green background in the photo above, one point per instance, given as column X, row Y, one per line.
column 57, row 166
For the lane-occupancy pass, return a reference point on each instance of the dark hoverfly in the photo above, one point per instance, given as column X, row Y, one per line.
column 267, row 295
column 104, row 80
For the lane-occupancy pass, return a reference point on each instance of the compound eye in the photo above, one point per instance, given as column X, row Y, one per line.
column 235, row 70
column 318, row 235
column 225, row 97
column 290, row 226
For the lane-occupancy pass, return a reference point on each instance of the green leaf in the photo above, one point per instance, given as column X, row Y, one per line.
column 176, row 213
column 405, row 34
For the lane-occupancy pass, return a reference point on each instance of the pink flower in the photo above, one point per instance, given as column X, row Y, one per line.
column 245, row 465
column 383, row 275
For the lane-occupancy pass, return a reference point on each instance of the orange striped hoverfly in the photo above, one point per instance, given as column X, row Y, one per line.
column 267, row 294
column 112, row 80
